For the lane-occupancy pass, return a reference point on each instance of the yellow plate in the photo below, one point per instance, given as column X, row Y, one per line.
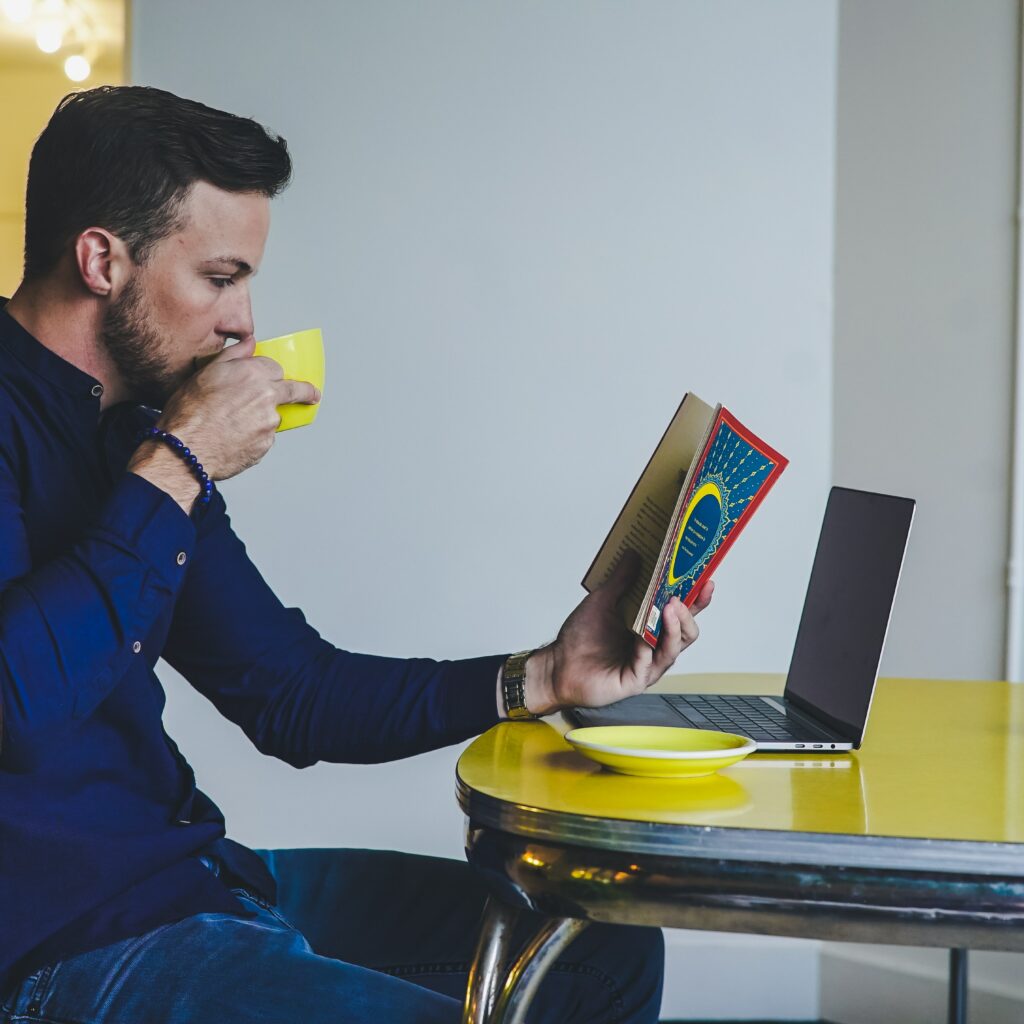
column 660, row 751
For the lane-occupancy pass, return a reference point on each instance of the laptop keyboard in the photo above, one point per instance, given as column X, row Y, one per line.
column 756, row 718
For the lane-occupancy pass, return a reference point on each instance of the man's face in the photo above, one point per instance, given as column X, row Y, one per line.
column 191, row 295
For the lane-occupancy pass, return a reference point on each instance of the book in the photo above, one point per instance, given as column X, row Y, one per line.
column 699, row 489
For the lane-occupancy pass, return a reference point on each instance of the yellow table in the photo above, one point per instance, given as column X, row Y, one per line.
column 918, row 838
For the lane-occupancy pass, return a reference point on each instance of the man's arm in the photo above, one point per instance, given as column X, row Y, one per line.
column 298, row 697
column 301, row 699
column 70, row 628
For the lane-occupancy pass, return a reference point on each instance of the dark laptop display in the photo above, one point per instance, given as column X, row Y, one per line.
column 838, row 648
column 847, row 609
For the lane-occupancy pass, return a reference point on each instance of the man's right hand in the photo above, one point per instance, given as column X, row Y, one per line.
column 226, row 413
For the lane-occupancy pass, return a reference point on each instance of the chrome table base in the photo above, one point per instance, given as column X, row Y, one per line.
column 498, row 992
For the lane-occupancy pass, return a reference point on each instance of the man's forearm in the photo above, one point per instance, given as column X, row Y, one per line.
column 162, row 468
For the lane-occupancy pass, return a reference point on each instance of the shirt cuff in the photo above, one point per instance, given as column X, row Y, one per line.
column 473, row 694
column 149, row 521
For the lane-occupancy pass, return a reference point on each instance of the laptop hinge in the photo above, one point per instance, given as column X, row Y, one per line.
column 844, row 729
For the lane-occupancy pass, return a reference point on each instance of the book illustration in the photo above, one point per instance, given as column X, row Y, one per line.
column 695, row 495
column 735, row 472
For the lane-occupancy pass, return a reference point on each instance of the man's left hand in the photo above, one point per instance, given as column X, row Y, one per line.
column 597, row 660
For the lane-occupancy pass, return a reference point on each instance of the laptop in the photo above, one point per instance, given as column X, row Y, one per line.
column 838, row 649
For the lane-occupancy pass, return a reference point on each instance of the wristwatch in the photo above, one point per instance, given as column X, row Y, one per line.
column 513, row 685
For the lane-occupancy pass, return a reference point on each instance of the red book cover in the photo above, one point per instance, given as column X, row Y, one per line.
column 734, row 472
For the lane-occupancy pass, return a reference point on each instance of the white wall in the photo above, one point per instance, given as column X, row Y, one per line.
column 925, row 198
column 526, row 229
column 925, row 185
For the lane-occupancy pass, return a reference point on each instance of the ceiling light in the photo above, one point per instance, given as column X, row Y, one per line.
column 19, row 11
column 77, row 68
column 49, row 37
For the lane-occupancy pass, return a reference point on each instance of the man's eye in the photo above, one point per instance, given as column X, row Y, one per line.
column 222, row 282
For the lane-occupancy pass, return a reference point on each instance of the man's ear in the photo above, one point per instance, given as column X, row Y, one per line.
column 99, row 256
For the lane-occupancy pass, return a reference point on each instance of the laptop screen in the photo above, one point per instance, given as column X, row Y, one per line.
column 848, row 604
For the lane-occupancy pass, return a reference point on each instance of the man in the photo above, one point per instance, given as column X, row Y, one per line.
column 122, row 900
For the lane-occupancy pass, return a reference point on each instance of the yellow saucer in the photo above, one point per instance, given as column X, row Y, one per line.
column 660, row 751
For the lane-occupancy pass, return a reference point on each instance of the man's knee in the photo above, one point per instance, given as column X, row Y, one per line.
column 619, row 972
column 640, row 952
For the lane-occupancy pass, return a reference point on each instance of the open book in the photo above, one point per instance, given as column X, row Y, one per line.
column 695, row 495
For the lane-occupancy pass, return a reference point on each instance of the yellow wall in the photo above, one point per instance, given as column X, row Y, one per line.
column 28, row 95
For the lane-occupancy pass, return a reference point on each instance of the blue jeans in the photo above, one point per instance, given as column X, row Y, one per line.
column 357, row 935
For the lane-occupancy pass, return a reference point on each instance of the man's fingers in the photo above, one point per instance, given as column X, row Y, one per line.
column 621, row 577
column 643, row 658
column 271, row 367
column 670, row 642
column 688, row 628
column 242, row 349
column 678, row 631
column 300, row 391
column 703, row 598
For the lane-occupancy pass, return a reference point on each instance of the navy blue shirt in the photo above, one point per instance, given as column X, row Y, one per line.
column 101, row 574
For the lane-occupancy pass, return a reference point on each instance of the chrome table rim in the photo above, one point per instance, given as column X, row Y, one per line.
column 715, row 842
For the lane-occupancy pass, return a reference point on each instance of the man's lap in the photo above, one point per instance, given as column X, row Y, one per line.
column 356, row 936
column 419, row 918
column 218, row 968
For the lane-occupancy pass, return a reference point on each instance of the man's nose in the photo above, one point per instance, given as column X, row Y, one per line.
column 237, row 321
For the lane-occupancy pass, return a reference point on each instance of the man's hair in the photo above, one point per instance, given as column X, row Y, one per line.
column 124, row 158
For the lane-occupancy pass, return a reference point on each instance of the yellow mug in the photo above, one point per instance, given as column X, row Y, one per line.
column 301, row 356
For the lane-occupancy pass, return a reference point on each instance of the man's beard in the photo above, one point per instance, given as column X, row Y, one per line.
column 134, row 348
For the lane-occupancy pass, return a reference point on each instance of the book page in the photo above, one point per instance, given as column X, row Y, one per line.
column 647, row 515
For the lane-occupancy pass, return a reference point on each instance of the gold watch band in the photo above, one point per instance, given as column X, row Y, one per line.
column 513, row 685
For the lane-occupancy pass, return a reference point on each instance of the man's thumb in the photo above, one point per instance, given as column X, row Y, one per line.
column 242, row 349
column 622, row 576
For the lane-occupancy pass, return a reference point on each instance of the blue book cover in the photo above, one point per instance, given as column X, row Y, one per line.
column 731, row 476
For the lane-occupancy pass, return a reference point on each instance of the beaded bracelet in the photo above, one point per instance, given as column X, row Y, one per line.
column 178, row 446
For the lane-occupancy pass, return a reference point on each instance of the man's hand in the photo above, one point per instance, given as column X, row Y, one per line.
column 597, row 660
column 226, row 413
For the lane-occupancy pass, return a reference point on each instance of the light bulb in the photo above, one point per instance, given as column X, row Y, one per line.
column 77, row 68
column 49, row 38
column 19, row 11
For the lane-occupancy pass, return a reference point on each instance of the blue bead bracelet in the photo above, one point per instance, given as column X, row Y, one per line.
column 178, row 446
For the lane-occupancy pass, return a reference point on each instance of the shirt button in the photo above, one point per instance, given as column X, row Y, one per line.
column 182, row 557
column 97, row 390
column 136, row 647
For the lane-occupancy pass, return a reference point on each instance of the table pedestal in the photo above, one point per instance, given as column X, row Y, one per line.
column 500, row 994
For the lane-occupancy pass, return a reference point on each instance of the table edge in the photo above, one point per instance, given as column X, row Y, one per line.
column 725, row 843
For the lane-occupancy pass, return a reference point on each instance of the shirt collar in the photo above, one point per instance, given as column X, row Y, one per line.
column 36, row 357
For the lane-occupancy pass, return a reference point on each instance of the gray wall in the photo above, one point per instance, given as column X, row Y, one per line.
column 526, row 230
column 925, row 185
column 926, row 166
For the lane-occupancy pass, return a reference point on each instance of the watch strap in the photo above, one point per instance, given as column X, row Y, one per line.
column 513, row 685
